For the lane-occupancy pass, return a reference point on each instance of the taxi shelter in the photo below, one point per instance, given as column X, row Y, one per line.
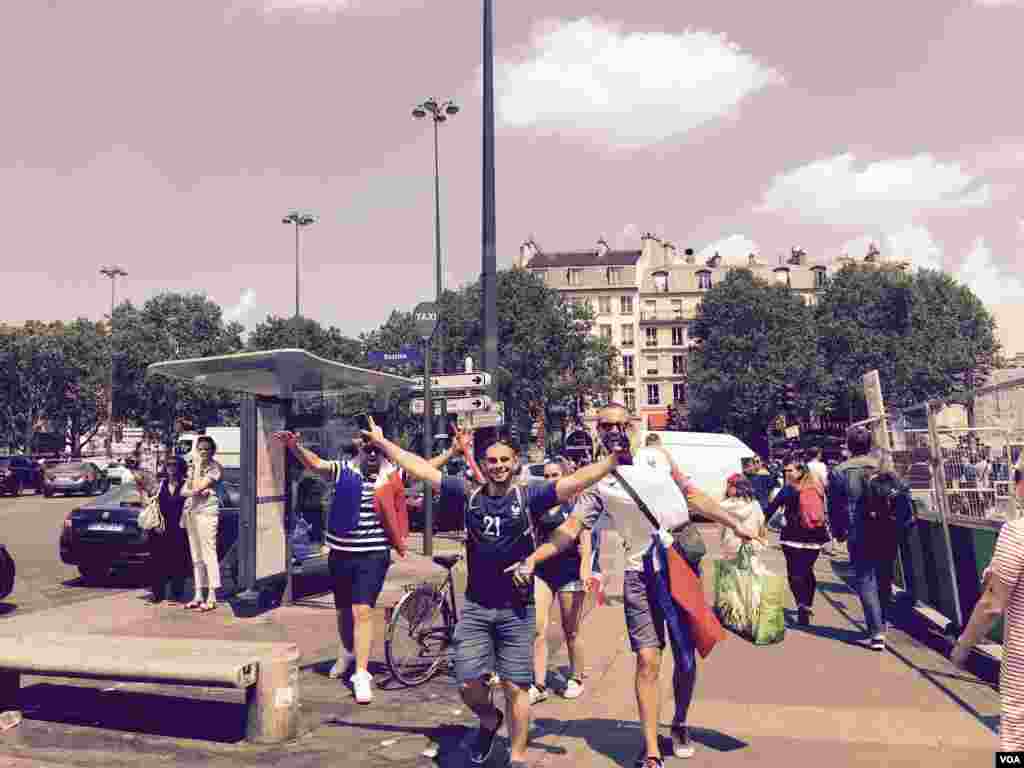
column 282, row 389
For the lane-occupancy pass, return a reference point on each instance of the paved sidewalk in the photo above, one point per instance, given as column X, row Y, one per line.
column 818, row 696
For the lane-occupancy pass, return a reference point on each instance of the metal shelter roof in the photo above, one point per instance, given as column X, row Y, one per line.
column 277, row 373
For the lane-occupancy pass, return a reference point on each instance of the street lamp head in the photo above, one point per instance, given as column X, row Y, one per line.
column 419, row 113
column 441, row 118
column 452, row 108
column 430, row 105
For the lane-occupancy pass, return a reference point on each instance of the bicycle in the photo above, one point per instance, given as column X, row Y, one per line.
column 421, row 628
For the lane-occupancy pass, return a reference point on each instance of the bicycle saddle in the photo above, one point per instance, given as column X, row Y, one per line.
column 447, row 561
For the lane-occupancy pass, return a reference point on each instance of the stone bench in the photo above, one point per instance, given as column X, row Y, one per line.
column 267, row 672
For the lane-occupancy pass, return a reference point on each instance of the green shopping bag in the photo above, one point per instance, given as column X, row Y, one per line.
column 749, row 599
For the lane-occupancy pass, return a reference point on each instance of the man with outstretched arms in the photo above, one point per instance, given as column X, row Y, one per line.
column 495, row 632
column 668, row 497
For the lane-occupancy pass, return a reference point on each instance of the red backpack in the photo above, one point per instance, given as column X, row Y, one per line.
column 812, row 508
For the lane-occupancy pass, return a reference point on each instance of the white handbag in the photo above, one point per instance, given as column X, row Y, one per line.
column 151, row 518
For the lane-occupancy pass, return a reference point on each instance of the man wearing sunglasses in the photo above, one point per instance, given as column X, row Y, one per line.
column 669, row 497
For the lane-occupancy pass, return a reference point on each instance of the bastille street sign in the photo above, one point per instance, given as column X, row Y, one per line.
column 456, row 381
column 403, row 355
column 425, row 318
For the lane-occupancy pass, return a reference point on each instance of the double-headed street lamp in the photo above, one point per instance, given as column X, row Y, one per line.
column 113, row 272
column 300, row 219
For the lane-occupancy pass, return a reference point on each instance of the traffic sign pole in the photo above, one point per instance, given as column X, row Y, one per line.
column 428, row 449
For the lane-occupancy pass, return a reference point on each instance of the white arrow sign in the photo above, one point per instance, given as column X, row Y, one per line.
column 457, row 381
column 457, row 404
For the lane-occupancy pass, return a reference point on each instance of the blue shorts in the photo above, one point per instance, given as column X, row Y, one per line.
column 357, row 578
column 498, row 640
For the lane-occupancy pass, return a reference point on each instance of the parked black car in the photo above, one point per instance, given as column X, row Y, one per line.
column 76, row 477
column 18, row 473
column 104, row 535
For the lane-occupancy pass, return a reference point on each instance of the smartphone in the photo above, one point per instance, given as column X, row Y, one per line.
column 363, row 422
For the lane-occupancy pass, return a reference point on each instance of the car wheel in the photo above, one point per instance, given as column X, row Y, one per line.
column 47, row 494
column 94, row 573
column 17, row 488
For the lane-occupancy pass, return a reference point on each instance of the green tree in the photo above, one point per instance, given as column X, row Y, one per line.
column 81, row 410
column 171, row 326
column 753, row 338
column 35, row 379
column 927, row 336
column 304, row 333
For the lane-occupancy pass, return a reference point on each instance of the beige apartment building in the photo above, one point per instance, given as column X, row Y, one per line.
column 645, row 300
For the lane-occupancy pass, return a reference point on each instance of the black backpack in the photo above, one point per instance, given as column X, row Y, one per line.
column 882, row 492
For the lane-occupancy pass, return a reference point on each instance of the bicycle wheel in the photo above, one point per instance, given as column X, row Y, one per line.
column 420, row 633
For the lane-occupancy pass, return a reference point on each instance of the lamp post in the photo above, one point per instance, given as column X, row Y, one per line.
column 488, row 276
column 300, row 219
column 113, row 272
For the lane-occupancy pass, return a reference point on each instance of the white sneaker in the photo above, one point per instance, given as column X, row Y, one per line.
column 361, row 684
column 340, row 666
column 537, row 695
column 682, row 747
column 573, row 689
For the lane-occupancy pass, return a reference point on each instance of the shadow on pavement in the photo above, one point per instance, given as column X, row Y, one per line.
column 154, row 714
column 449, row 739
column 6, row 608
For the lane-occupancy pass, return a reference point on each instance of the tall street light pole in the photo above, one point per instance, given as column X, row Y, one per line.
column 489, row 301
column 438, row 112
column 300, row 219
column 113, row 272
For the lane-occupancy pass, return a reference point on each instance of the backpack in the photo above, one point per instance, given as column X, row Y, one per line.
column 811, row 508
column 879, row 501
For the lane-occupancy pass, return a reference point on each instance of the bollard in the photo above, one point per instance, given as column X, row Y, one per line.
column 272, row 704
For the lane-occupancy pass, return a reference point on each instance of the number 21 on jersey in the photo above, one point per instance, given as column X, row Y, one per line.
column 492, row 526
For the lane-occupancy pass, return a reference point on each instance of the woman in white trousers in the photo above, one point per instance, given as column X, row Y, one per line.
column 202, row 512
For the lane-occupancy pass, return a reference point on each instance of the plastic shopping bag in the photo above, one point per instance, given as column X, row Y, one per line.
column 749, row 599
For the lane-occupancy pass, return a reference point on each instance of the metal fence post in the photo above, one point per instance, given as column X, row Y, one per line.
column 939, row 482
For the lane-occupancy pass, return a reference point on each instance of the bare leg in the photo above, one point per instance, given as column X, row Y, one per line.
column 346, row 628
column 517, row 711
column 542, row 600
column 571, row 604
column 362, row 625
column 648, row 665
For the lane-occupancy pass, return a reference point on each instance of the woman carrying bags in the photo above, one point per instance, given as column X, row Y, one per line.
column 742, row 504
column 200, row 518
column 169, row 548
column 804, row 534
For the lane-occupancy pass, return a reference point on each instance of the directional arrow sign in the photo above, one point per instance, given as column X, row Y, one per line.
column 457, row 404
column 457, row 381
column 418, row 407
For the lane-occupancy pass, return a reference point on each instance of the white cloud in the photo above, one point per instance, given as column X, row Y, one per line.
column 734, row 250
column 240, row 311
column 916, row 245
column 883, row 194
column 587, row 78
column 999, row 3
column 988, row 280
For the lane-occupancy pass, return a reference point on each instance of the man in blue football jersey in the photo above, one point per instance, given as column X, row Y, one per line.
column 496, row 628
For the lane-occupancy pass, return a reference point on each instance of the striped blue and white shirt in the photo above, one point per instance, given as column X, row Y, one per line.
column 369, row 535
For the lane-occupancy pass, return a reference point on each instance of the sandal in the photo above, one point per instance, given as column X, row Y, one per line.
column 207, row 607
column 192, row 605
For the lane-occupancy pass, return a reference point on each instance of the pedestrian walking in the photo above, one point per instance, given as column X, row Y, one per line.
column 761, row 480
column 813, row 457
column 741, row 503
column 803, row 535
column 200, row 519
column 566, row 576
column 651, row 616
column 169, row 557
column 1003, row 596
column 497, row 625
column 871, row 510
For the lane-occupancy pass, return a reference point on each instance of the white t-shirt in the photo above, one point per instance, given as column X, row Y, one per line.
column 750, row 517
column 659, row 492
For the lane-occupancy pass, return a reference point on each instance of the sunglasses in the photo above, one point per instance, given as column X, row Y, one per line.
column 605, row 426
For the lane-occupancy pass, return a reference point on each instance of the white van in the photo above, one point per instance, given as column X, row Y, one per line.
column 707, row 457
column 228, row 440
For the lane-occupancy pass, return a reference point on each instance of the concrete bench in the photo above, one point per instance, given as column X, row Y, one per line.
column 267, row 672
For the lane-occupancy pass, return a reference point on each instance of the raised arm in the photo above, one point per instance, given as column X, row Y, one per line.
column 306, row 457
column 697, row 499
column 417, row 466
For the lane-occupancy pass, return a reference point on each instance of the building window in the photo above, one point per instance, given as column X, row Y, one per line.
column 703, row 280
column 614, row 275
column 627, row 335
column 678, row 393
column 651, row 337
column 625, row 305
column 651, row 366
column 575, row 277
column 679, row 365
column 661, row 282
column 677, row 309
column 627, row 366
column 542, row 274
column 677, row 336
column 604, row 305
column 653, row 394
column 820, row 278
column 629, row 399
column 606, row 332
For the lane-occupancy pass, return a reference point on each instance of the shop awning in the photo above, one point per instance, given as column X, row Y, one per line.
column 277, row 373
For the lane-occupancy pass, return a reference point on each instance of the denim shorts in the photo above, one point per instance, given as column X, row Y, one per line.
column 357, row 578
column 498, row 640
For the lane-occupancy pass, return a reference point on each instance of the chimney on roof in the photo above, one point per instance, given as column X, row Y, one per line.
column 527, row 251
column 752, row 260
column 873, row 254
column 797, row 257
column 602, row 247
column 715, row 260
column 688, row 256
